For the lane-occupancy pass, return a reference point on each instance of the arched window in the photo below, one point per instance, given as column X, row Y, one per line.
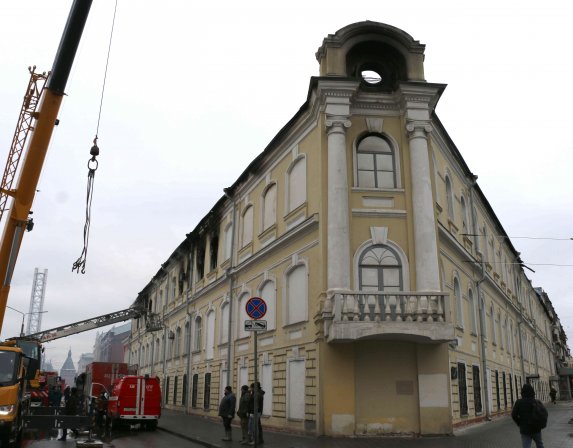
column 186, row 336
column 375, row 163
column 243, row 315
column 210, row 339
column 268, row 294
column 247, row 226
column 197, row 343
column 296, row 180
column 472, row 305
column 380, row 269
column 178, row 342
column 450, row 198
column 296, row 295
column 493, row 328
column 459, row 302
column 269, row 206
column 465, row 220
column 228, row 241
column 224, row 323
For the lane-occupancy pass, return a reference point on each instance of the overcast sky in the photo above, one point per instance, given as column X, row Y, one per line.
column 195, row 90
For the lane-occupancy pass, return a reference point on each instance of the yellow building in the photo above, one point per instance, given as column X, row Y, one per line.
column 396, row 302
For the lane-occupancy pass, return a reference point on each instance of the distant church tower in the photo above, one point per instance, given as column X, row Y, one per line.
column 68, row 371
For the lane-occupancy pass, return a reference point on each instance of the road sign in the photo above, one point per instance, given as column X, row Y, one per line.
column 256, row 308
column 255, row 325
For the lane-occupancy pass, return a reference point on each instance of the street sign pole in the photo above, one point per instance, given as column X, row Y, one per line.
column 256, row 309
column 256, row 394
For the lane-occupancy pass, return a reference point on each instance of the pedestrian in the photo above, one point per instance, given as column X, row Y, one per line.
column 101, row 410
column 227, row 412
column 553, row 395
column 71, row 408
column 260, row 395
column 243, row 413
column 531, row 417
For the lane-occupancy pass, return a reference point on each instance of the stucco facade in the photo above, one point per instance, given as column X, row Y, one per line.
column 396, row 302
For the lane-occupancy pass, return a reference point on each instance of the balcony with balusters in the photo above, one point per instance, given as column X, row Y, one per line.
column 422, row 317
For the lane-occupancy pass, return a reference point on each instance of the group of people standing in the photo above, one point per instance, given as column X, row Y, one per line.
column 251, row 427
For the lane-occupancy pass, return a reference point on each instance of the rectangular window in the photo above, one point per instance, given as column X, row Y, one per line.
column 213, row 251
column 511, row 389
column 462, row 389
column 184, row 390
column 175, row 390
column 167, row 391
column 194, row 391
column 504, row 390
column 497, row 390
column 207, row 392
column 201, row 260
column 477, row 390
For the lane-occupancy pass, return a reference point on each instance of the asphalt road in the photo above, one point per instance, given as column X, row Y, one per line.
column 124, row 439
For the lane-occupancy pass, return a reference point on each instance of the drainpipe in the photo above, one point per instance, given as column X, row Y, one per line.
column 230, row 342
column 481, row 306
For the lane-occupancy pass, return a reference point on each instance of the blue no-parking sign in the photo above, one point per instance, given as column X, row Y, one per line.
column 256, row 308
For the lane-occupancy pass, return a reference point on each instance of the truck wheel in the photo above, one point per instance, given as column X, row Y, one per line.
column 151, row 426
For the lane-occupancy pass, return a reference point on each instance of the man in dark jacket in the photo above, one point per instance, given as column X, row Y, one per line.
column 243, row 413
column 227, row 411
column 260, row 394
column 522, row 414
column 71, row 408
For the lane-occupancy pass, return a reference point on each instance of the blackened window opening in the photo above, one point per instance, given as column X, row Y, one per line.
column 194, row 391
column 207, row 392
column 462, row 389
column 477, row 390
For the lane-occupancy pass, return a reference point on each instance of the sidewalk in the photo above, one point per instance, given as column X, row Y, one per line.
column 499, row 433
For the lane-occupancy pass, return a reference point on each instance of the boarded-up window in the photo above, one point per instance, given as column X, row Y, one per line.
column 247, row 235
column 270, row 207
column 210, row 342
column 242, row 316
column 267, row 386
column 268, row 293
column 228, row 242
column 297, row 184
column 225, row 322
column 296, row 286
column 295, row 389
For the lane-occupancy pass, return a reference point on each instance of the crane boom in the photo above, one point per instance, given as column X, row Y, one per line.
column 33, row 161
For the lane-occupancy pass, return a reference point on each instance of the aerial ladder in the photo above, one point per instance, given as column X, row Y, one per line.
column 152, row 323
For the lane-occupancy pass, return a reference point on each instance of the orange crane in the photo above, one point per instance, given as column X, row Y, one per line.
column 45, row 117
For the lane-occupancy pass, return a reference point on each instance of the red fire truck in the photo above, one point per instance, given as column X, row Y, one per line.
column 135, row 399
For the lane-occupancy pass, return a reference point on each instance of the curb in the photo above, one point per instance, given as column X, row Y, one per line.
column 198, row 440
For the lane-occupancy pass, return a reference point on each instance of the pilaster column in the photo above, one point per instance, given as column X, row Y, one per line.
column 425, row 239
column 338, row 240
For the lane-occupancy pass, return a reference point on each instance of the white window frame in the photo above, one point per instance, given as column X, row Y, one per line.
column 286, row 302
column 289, row 205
